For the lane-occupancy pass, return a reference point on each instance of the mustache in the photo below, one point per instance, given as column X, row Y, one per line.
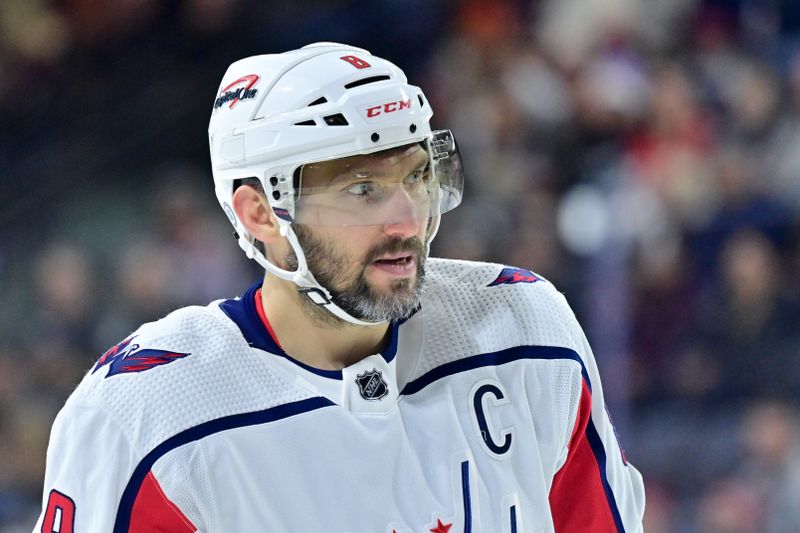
column 396, row 245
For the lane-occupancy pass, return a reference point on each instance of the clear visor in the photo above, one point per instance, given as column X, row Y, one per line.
column 409, row 183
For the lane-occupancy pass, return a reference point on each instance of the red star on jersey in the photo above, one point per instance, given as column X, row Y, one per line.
column 441, row 528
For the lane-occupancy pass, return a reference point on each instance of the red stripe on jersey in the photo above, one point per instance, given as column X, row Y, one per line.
column 153, row 512
column 577, row 499
column 263, row 316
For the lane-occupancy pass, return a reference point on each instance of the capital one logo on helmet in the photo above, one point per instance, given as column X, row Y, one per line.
column 234, row 95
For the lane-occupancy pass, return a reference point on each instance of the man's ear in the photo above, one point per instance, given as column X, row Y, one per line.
column 255, row 213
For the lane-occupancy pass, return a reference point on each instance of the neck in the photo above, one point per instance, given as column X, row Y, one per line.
column 327, row 344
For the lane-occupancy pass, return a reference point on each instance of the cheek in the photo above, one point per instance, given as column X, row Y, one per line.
column 360, row 240
column 423, row 229
column 350, row 243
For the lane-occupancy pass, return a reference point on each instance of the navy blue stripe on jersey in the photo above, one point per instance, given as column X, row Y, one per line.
column 513, row 518
column 244, row 314
column 599, row 451
column 122, row 522
column 465, row 492
column 494, row 359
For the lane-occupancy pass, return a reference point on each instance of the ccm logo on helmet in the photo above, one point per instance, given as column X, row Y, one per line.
column 229, row 94
column 388, row 107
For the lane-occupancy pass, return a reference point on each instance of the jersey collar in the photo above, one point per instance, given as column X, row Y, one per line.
column 248, row 314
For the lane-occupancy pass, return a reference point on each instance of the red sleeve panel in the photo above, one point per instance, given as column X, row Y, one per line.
column 581, row 498
column 153, row 512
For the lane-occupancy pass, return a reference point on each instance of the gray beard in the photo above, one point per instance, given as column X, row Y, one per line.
column 358, row 298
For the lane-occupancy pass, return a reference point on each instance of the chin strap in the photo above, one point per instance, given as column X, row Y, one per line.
column 302, row 277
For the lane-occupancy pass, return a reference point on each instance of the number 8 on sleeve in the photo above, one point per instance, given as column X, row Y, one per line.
column 60, row 514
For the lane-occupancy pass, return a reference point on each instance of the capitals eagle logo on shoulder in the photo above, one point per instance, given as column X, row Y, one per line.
column 128, row 357
column 511, row 276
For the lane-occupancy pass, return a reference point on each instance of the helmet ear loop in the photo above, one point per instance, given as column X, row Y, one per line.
column 302, row 276
column 248, row 245
column 246, row 242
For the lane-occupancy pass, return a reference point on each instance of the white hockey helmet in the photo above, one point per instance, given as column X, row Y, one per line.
column 275, row 114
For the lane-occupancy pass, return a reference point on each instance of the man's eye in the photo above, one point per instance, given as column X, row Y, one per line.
column 417, row 176
column 362, row 188
column 414, row 177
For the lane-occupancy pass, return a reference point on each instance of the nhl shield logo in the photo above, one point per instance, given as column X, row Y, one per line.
column 371, row 385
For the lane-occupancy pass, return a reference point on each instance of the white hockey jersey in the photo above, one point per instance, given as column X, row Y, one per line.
column 484, row 414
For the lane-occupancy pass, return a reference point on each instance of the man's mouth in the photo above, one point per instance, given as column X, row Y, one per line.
column 399, row 264
column 398, row 259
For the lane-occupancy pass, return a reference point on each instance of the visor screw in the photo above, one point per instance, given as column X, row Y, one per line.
column 236, row 235
column 273, row 181
column 375, row 137
column 413, row 128
column 276, row 195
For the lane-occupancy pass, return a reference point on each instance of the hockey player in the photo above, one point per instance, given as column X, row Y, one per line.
column 360, row 386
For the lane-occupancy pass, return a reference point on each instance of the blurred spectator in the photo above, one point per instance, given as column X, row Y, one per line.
column 142, row 292
column 204, row 263
column 750, row 325
column 772, row 463
column 60, row 330
column 664, row 366
column 762, row 493
column 672, row 153
column 730, row 507
column 97, row 23
column 781, row 157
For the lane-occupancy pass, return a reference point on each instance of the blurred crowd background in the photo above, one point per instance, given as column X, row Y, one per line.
column 643, row 155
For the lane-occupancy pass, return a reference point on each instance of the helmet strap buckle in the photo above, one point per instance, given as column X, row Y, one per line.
column 317, row 296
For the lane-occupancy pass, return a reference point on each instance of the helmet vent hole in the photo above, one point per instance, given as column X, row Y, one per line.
column 273, row 181
column 276, row 195
column 412, row 128
column 421, row 101
column 318, row 101
column 336, row 120
column 375, row 137
column 365, row 81
column 308, row 122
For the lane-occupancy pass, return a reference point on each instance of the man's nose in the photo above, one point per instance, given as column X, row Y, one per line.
column 403, row 217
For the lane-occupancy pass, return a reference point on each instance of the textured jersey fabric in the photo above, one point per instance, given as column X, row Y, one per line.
column 484, row 413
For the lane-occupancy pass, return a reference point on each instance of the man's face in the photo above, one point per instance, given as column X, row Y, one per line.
column 374, row 272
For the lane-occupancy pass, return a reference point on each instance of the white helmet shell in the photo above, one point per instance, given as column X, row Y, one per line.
column 275, row 113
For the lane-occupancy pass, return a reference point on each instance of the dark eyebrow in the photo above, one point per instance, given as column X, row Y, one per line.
column 352, row 175
column 348, row 176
